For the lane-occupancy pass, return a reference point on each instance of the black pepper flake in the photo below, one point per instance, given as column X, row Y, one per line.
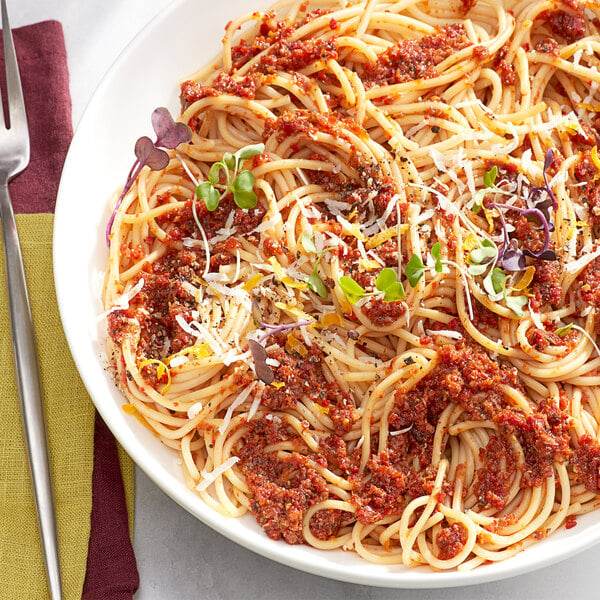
column 435, row 129
column 409, row 360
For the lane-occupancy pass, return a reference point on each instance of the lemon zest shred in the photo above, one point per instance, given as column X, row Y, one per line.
column 368, row 264
column 471, row 242
column 278, row 384
column 331, row 319
column 526, row 279
column 161, row 370
column 277, row 268
column 293, row 310
column 299, row 285
column 252, row 282
column 292, row 344
column 596, row 161
column 199, row 351
column 589, row 107
column 129, row 409
column 489, row 217
column 383, row 236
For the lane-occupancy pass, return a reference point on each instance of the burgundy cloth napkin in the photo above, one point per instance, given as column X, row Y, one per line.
column 111, row 568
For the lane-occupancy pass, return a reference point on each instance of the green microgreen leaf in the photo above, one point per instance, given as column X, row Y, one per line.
column 249, row 151
column 486, row 249
column 214, row 172
column 478, row 200
column 245, row 199
column 244, row 182
column 385, row 279
column 394, row 292
column 317, row 285
column 229, row 161
column 205, row 191
column 489, row 179
column 414, row 270
column 477, row 269
column 386, row 282
column 352, row 290
column 308, row 243
column 562, row 331
column 436, row 252
column 516, row 304
column 498, row 279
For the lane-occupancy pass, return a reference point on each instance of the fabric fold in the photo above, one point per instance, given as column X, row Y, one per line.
column 94, row 492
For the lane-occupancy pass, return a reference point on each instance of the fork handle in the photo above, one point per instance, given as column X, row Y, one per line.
column 29, row 390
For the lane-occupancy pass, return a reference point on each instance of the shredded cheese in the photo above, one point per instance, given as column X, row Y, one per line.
column 209, row 478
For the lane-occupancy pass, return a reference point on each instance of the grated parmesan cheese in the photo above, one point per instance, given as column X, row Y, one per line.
column 194, row 410
column 209, row 478
column 237, row 402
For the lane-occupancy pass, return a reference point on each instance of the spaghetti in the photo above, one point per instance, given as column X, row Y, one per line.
column 360, row 301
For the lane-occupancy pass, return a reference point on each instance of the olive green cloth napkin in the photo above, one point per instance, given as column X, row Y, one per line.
column 70, row 426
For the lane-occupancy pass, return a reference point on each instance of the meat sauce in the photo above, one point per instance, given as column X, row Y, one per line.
column 408, row 60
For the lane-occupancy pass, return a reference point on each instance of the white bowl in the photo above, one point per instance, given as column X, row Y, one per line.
column 146, row 75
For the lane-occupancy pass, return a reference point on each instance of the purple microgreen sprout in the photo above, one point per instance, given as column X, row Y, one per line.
column 257, row 349
column 169, row 134
column 259, row 356
column 545, row 253
column 239, row 183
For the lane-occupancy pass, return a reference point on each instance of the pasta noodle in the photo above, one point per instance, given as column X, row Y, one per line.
column 360, row 298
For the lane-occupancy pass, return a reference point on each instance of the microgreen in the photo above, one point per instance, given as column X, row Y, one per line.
column 495, row 286
column 169, row 134
column 317, row 285
column 516, row 304
column 545, row 253
column 562, row 331
column 415, row 269
column 352, row 290
column 314, row 281
column 239, row 183
column 538, row 202
column 436, row 252
column 485, row 250
column 489, row 181
column 258, row 351
column 386, row 282
column 489, row 178
column 498, row 280
column 259, row 356
column 392, row 289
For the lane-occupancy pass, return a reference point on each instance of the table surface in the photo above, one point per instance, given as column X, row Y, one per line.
column 179, row 557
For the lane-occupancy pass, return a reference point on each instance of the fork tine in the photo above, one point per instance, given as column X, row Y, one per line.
column 14, row 91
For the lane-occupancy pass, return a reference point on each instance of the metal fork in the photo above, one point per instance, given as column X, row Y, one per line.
column 14, row 157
